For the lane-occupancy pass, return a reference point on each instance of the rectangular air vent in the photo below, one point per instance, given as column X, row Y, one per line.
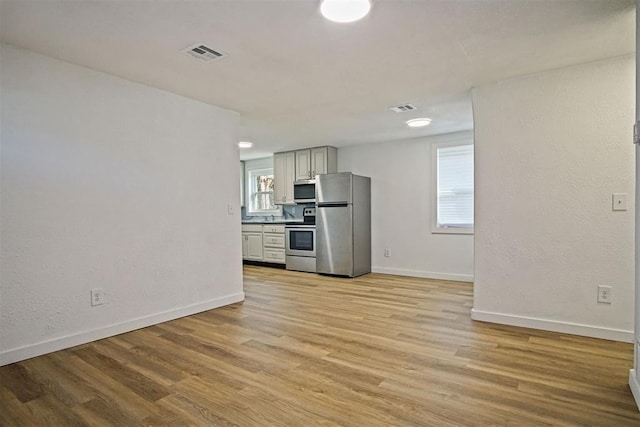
column 202, row 52
column 403, row 108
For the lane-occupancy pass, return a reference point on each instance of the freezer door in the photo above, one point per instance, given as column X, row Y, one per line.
column 334, row 240
column 334, row 188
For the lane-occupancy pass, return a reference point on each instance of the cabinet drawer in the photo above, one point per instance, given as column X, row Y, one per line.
column 274, row 255
column 273, row 240
column 252, row 227
column 279, row 229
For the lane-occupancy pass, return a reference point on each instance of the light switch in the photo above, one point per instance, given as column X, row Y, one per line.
column 230, row 209
column 619, row 201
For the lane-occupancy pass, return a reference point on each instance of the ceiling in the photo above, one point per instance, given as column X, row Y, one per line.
column 298, row 80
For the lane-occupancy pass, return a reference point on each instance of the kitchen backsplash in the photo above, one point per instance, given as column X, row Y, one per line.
column 289, row 213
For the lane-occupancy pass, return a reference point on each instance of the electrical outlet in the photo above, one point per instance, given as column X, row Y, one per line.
column 387, row 253
column 619, row 201
column 604, row 294
column 97, row 296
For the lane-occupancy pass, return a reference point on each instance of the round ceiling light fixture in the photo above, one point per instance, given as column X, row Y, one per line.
column 418, row 123
column 245, row 144
column 345, row 10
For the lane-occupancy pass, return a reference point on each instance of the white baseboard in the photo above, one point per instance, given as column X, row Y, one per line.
column 554, row 326
column 634, row 385
column 37, row 349
column 424, row 274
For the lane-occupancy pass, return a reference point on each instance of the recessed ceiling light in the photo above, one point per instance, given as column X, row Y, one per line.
column 418, row 123
column 345, row 10
column 245, row 144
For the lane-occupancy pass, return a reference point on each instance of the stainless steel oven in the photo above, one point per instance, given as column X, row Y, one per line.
column 300, row 240
column 300, row 247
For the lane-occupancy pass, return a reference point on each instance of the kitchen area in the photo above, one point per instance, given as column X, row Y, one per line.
column 300, row 214
column 120, row 213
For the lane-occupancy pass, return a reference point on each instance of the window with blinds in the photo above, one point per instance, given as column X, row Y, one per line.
column 453, row 187
column 261, row 199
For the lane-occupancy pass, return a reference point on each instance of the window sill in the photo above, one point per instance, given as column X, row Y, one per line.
column 274, row 213
column 451, row 230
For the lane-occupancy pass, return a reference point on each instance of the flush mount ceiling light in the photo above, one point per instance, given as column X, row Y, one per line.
column 418, row 123
column 245, row 144
column 344, row 10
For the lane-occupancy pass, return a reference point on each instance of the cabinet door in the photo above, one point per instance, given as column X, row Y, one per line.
column 245, row 246
column 283, row 177
column 318, row 161
column 254, row 246
column 303, row 164
column 279, row 178
column 290, row 164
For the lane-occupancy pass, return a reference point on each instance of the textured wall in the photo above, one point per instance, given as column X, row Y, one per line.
column 107, row 183
column 551, row 148
column 401, row 199
column 636, row 383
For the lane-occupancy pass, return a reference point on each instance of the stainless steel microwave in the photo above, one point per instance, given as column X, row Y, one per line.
column 304, row 191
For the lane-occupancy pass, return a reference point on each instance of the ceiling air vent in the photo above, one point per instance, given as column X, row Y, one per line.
column 403, row 108
column 202, row 52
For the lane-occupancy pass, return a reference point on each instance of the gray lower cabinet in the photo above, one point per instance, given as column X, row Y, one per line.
column 252, row 242
column 273, row 243
column 263, row 243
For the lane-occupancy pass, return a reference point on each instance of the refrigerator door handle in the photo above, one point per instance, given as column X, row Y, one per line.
column 332, row 204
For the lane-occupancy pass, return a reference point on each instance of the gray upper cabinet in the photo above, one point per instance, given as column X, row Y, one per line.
column 303, row 164
column 291, row 166
column 315, row 161
column 283, row 177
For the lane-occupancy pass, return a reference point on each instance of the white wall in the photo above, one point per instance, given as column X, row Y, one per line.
column 109, row 184
column 634, row 374
column 551, row 149
column 401, row 199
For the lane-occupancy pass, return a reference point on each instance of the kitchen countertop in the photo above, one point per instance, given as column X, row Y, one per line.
column 277, row 222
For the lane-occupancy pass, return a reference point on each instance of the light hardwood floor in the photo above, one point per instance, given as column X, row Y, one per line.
column 305, row 350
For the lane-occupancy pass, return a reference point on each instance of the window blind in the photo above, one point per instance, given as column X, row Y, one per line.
column 455, row 186
column 261, row 197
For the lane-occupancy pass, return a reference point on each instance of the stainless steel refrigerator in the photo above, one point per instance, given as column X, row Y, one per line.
column 343, row 224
